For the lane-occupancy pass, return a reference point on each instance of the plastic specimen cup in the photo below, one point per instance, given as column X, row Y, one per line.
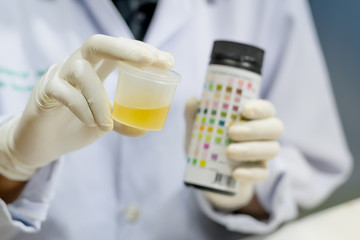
column 143, row 96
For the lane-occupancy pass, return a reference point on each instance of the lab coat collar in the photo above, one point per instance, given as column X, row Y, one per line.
column 107, row 17
column 169, row 17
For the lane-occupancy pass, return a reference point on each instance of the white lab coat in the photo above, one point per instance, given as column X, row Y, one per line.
column 123, row 188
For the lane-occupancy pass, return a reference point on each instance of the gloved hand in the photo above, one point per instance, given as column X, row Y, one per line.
column 254, row 142
column 69, row 108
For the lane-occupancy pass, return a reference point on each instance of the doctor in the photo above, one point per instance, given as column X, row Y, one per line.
column 65, row 176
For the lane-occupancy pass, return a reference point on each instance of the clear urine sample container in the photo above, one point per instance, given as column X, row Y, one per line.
column 143, row 96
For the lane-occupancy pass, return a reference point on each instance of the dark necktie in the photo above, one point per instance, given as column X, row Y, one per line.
column 137, row 15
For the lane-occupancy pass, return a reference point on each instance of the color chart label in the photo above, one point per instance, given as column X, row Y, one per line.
column 226, row 89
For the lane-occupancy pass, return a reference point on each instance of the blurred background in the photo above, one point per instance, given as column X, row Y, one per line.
column 337, row 26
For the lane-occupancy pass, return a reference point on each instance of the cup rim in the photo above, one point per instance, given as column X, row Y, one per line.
column 150, row 73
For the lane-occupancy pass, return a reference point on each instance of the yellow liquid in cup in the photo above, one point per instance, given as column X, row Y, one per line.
column 143, row 118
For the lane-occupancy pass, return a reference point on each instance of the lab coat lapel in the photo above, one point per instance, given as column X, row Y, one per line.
column 107, row 18
column 169, row 17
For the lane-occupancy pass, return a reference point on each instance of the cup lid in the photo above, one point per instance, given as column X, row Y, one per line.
column 150, row 73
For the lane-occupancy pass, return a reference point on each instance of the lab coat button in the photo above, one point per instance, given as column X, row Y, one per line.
column 131, row 212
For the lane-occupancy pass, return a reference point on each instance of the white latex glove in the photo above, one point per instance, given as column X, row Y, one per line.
column 254, row 142
column 69, row 108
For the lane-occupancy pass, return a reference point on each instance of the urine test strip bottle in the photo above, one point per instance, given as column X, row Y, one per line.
column 233, row 77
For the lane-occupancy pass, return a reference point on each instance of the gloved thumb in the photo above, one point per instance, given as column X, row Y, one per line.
column 127, row 130
column 191, row 106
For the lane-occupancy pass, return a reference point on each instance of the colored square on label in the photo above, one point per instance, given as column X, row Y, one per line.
column 196, row 153
column 235, row 108
column 230, row 80
column 211, row 85
column 210, row 129
column 233, row 116
column 205, row 85
column 237, row 99
column 214, row 156
column 193, row 135
column 228, row 89
column 200, row 136
column 199, row 110
column 227, row 141
column 238, row 91
column 208, row 138
column 222, row 123
column 223, row 114
column 202, row 163
column 249, row 85
column 225, row 106
column 213, row 112
column 194, row 161
column 231, row 123
column 202, row 127
column 203, row 120
column 206, row 146
column 217, row 95
column 218, row 87
column 197, row 119
column 215, row 105
column 218, row 140
column 188, row 159
column 211, row 120
column 240, row 82
column 205, row 111
column 220, row 131
column 211, row 77
column 227, row 97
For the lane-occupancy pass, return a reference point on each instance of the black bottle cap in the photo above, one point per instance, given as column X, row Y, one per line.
column 237, row 55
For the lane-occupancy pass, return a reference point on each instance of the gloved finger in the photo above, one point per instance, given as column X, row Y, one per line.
column 263, row 129
column 81, row 74
column 231, row 203
column 100, row 47
column 165, row 60
column 104, row 68
column 258, row 109
column 128, row 131
column 252, row 151
column 255, row 173
column 63, row 92
column 191, row 106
